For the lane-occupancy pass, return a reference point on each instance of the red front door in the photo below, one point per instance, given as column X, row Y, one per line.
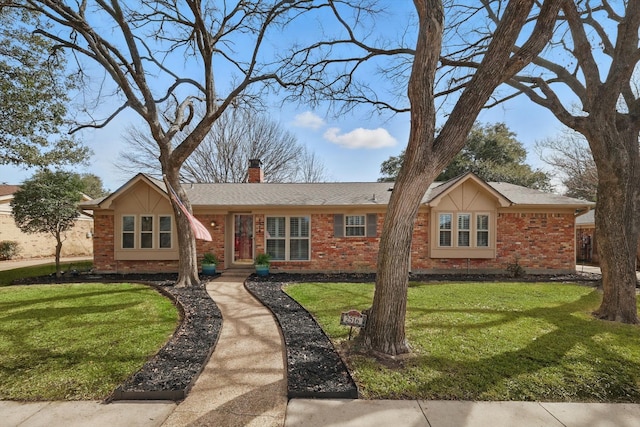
column 243, row 238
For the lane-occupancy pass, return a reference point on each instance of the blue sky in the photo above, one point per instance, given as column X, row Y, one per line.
column 352, row 147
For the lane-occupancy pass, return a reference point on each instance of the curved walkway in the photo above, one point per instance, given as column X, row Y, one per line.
column 244, row 383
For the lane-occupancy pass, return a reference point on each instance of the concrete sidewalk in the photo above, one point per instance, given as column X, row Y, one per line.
column 383, row 413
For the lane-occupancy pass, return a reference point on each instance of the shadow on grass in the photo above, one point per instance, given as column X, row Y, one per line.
column 579, row 364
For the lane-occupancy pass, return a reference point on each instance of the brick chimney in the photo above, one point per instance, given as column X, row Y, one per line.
column 255, row 171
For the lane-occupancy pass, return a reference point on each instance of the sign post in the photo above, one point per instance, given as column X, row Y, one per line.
column 353, row 318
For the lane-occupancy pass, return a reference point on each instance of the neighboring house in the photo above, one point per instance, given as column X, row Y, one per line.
column 77, row 241
column 586, row 245
column 462, row 225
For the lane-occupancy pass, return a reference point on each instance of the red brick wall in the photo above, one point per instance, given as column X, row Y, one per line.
column 541, row 242
column 216, row 245
column 103, row 241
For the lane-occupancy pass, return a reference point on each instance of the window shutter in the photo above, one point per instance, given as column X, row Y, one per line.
column 372, row 225
column 338, row 225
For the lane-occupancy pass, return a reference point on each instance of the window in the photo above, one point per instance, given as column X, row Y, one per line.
column 464, row 230
column 128, row 231
column 165, row 232
column 287, row 238
column 466, row 236
column 482, row 230
column 354, row 225
column 146, row 232
column 445, row 230
column 276, row 238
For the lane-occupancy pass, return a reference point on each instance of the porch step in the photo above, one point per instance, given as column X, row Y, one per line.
column 238, row 272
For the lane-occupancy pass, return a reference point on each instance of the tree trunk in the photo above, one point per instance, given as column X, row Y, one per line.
column 385, row 329
column 188, row 261
column 617, row 228
column 58, row 252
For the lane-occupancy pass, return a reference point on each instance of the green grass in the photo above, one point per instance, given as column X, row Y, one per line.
column 491, row 341
column 78, row 341
column 8, row 276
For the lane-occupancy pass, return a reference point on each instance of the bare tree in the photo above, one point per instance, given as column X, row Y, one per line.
column 471, row 72
column 142, row 47
column 570, row 156
column 223, row 155
column 593, row 58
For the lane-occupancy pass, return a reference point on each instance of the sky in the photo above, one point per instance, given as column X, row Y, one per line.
column 351, row 147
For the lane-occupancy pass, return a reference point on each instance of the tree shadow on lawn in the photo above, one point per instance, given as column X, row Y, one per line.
column 523, row 374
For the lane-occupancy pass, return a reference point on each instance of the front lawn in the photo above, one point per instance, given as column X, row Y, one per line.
column 78, row 341
column 8, row 276
column 491, row 341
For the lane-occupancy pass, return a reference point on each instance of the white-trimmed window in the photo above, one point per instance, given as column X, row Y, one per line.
column 464, row 230
column 288, row 238
column 165, row 229
column 147, row 231
column 482, row 230
column 470, row 230
column 354, row 225
column 128, row 231
column 445, row 228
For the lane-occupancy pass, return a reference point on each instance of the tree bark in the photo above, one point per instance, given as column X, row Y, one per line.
column 58, row 252
column 617, row 230
column 188, row 259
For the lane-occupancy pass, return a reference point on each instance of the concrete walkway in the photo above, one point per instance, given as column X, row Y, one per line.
column 244, row 383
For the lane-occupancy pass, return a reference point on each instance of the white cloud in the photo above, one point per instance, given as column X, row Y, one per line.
column 308, row 120
column 361, row 138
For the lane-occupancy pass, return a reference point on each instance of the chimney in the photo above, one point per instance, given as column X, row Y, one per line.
column 255, row 171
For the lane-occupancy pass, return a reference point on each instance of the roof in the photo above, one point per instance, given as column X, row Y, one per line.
column 587, row 219
column 336, row 194
column 7, row 190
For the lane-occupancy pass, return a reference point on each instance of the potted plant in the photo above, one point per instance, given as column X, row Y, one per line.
column 209, row 262
column 262, row 262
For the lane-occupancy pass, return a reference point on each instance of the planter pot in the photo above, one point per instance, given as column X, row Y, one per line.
column 262, row 270
column 209, row 269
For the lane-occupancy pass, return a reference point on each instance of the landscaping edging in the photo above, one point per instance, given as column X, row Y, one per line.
column 314, row 368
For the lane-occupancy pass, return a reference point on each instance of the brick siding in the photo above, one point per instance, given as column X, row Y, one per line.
column 540, row 242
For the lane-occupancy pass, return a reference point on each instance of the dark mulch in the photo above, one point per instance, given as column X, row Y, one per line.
column 314, row 368
column 171, row 373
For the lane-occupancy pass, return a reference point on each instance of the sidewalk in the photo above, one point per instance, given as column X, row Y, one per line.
column 382, row 413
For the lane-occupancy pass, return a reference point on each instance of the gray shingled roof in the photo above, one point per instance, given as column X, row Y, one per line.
column 345, row 193
column 340, row 194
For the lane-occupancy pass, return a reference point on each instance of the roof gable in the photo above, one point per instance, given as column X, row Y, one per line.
column 467, row 192
column 106, row 202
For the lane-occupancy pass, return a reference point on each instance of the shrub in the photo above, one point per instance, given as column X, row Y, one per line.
column 8, row 249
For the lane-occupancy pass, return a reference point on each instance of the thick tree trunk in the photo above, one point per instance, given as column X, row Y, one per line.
column 188, row 261
column 385, row 329
column 617, row 228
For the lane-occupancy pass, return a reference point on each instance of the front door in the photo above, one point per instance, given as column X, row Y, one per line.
column 243, row 238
